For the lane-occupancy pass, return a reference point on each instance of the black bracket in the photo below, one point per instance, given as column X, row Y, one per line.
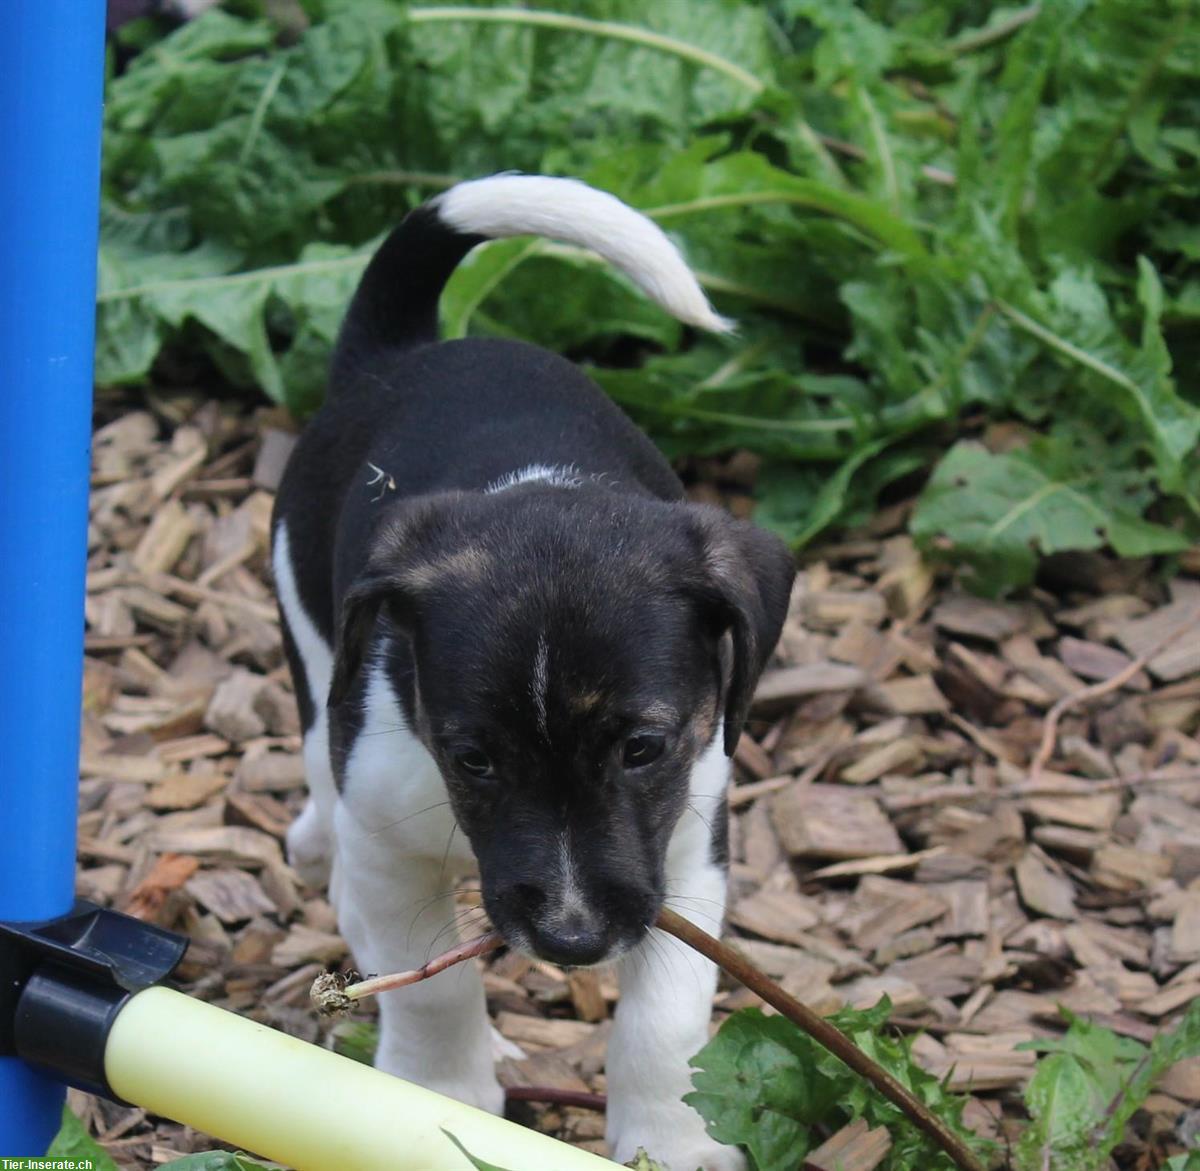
column 63, row 981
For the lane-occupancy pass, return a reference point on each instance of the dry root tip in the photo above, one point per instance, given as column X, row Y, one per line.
column 328, row 994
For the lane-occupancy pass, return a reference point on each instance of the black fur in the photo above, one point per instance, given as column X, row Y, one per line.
column 634, row 593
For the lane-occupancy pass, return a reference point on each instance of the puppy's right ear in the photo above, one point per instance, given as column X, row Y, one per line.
column 409, row 543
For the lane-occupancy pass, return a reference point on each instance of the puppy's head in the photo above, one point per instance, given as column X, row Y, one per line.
column 575, row 654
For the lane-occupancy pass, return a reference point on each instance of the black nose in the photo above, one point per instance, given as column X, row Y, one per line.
column 571, row 941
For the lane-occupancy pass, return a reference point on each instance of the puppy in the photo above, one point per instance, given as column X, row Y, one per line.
column 515, row 646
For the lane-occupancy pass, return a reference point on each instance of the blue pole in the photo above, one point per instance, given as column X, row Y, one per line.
column 51, row 86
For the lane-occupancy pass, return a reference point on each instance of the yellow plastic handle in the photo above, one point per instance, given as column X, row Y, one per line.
column 301, row 1105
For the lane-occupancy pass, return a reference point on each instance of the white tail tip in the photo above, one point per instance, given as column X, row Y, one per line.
column 571, row 211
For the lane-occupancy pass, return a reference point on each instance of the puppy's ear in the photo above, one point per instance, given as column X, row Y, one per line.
column 411, row 545
column 745, row 586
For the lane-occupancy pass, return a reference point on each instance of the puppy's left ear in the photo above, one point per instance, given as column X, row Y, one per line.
column 404, row 550
column 745, row 587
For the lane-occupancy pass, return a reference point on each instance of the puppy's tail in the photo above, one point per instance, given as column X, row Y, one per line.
column 396, row 303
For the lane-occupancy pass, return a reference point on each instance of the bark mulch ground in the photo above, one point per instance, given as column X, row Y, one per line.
column 985, row 810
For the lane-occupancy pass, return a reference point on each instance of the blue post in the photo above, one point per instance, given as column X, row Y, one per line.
column 51, row 81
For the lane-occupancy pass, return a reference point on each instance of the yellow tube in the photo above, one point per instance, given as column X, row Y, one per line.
column 301, row 1105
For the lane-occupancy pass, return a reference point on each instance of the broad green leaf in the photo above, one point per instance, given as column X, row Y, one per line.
column 765, row 1085
column 1066, row 1105
column 947, row 214
column 999, row 512
column 74, row 1142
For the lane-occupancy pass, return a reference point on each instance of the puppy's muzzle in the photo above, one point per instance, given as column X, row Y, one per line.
column 570, row 933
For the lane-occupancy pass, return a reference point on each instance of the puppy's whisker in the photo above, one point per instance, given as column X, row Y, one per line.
column 446, row 851
column 466, row 917
column 704, row 821
column 680, row 899
column 407, row 817
column 390, row 730
column 426, row 904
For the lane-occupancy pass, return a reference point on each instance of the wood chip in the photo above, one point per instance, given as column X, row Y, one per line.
column 1185, row 932
column 165, row 539
column 231, row 712
column 169, row 873
column 830, row 821
column 917, row 695
column 853, row 1148
column 232, row 895
column 185, row 790
column 900, row 756
column 792, row 683
column 1180, row 658
column 587, row 997
column 305, row 945
column 780, row 915
column 541, row 1032
column 1126, row 868
column 1042, row 889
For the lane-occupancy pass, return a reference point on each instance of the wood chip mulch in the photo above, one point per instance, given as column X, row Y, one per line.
column 890, row 833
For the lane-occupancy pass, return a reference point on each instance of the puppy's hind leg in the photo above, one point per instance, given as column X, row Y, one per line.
column 310, row 660
column 391, row 911
column 310, row 846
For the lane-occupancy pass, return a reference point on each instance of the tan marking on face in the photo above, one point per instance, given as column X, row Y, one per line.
column 585, row 701
column 469, row 562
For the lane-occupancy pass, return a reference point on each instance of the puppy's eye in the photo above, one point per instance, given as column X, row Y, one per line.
column 474, row 762
column 643, row 749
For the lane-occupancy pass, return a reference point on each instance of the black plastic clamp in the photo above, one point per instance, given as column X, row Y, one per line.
column 63, row 981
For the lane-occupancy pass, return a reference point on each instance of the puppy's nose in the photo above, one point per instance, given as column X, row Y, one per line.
column 572, row 941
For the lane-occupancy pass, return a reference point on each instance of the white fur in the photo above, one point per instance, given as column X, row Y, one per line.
column 310, row 847
column 556, row 477
column 399, row 849
column 390, row 851
column 565, row 209
column 666, row 1001
column 571, row 903
column 393, row 848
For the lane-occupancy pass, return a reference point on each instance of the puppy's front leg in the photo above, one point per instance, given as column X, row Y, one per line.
column 662, row 1021
column 434, row 1033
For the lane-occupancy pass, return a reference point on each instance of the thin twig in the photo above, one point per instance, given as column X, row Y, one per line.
column 1113, row 683
column 970, row 794
column 557, row 1097
column 825, row 1034
column 332, row 995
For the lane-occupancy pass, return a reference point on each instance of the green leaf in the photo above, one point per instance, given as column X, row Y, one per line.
column 998, row 512
column 74, row 1142
column 1185, row 1162
column 917, row 214
column 357, row 1040
column 476, row 1162
column 1084, row 1093
column 765, row 1085
column 214, row 1161
column 1066, row 1106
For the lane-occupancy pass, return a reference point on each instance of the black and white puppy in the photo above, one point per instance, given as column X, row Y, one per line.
column 515, row 646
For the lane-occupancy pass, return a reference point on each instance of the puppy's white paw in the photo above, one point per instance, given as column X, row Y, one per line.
column 483, row 1091
column 673, row 1135
column 502, row 1047
column 487, row 1096
column 309, row 848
